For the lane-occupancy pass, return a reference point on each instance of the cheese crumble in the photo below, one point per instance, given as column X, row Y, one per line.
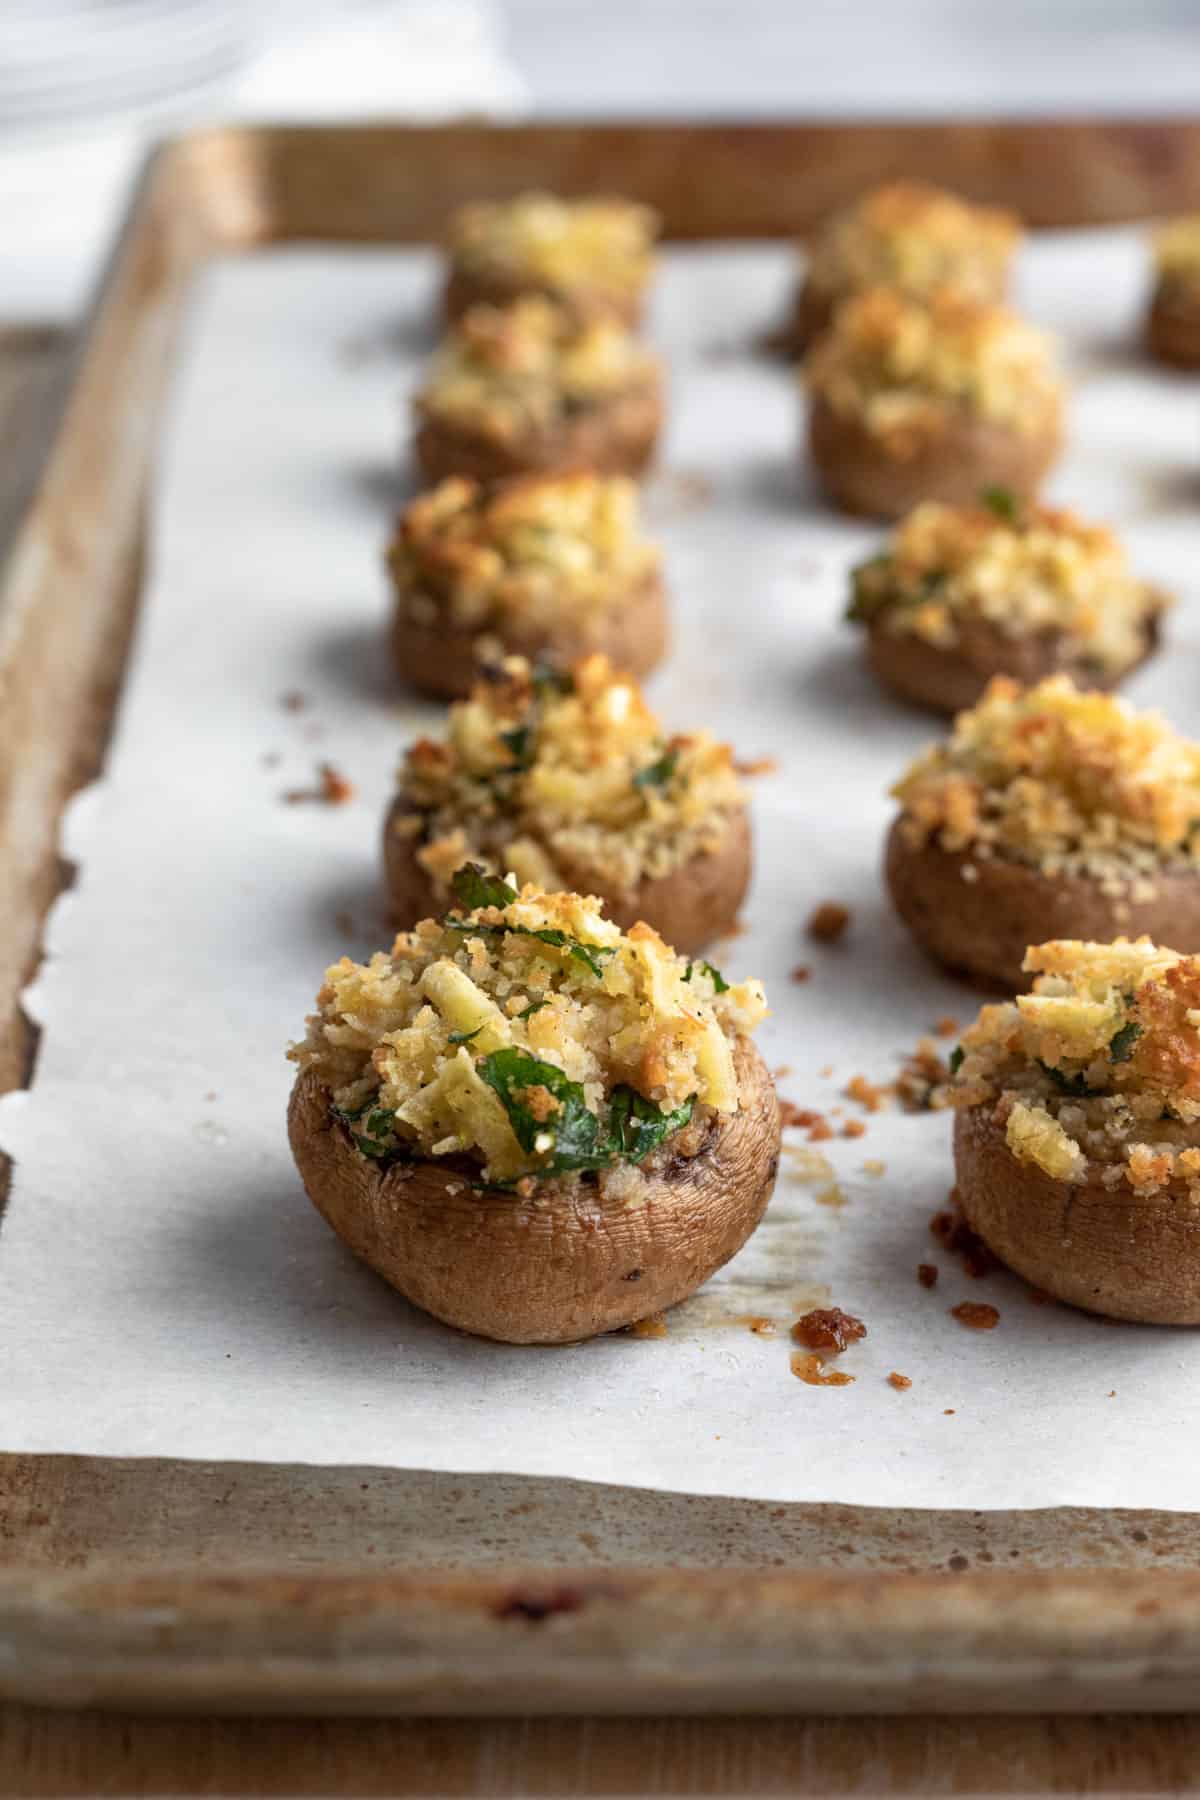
column 1096, row 1071
column 568, row 780
column 596, row 244
column 1021, row 570
column 917, row 237
column 1069, row 782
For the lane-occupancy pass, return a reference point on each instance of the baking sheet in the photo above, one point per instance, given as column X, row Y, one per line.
column 164, row 1287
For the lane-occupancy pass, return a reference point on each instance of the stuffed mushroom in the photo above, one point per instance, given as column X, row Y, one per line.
column 1173, row 320
column 909, row 235
column 1077, row 1129
column 594, row 255
column 532, row 389
column 1047, row 811
column 962, row 593
column 932, row 399
column 569, row 780
column 534, row 1125
column 552, row 567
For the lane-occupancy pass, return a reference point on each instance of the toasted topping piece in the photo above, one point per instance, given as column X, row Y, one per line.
column 902, row 365
column 1021, row 570
column 568, row 780
column 530, row 551
column 530, row 366
column 1097, row 1070
column 1177, row 251
column 560, row 245
column 1070, row 782
column 527, row 1033
column 913, row 236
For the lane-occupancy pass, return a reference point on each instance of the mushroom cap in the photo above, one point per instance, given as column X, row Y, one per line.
column 1107, row 1250
column 577, row 1256
column 442, row 658
column 982, row 927
column 617, row 436
column 691, row 906
column 862, row 473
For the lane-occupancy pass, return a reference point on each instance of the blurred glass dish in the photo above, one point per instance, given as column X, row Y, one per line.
column 67, row 64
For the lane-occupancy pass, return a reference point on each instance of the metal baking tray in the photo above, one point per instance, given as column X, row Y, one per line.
column 287, row 1588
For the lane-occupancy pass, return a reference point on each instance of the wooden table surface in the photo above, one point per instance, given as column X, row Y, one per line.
column 71, row 1753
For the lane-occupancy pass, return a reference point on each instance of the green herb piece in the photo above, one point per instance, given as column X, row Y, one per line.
column 534, row 1006
column 464, row 1037
column 590, row 954
column 1075, row 1085
column 1120, row 1046
column 375, row 1135
column 720, row 985
column 473, row 887
column 865, row 597
column 1003, row 503
column 637, row 1126
column 548, row 681
column 955, row 1062
column 578, row 1141
column 657, row 774
column 520, row 742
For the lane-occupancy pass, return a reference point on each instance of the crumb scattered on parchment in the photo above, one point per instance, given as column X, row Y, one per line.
column 976, row 1315
column 870, row 1097
column 826, row 1072
column 828, row 922
column 946, row 1027
column 760, row 1324
column 653, row 1327
column 956, row 1237
column 270, row 759
column 803, row 1118
column 343, row 923
column 896, row 1380
column 211, row 1096
column 333, row 789
column 854, row 1128
column 293, row 700
column 1112, row 1394
column 873, row 1166
column 757, row 765
column 927, row 1274
column 834, row 1195
column 782, row 1072
column 808, row 1366
column 948, row 1412
column 681, row 490
column 828, row 1328
column 801, row 973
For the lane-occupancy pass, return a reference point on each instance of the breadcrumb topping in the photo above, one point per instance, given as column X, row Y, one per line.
column 1021, row 570
column 907, row 368
column 1096, row 1071
column 422, row 1048
column 530, row 551
column 1070, row 782
column 568, row 780
column 599, row 243
column 528, row 367
column 917, row 237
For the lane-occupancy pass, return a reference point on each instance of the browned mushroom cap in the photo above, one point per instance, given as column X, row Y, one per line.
column 576, row 1257
column 615, row 437
column 981, row 925
column 470, row 287
column 689, row 908
column 863, row 473
column 948, row 680
column 1173, row 328
column 1106, row 1249
column 439, row 657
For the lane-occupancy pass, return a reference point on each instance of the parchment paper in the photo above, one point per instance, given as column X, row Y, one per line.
column 165, row 1288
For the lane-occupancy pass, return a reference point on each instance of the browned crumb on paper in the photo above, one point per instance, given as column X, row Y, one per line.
column 293, row 701
column 809, row 1367
column 976, row 1315
column 333, row 789
column 946, row 1027
column 757, row 765
column 896, row 1380
column 828, row 1328
column 922, row 1073
column 927, row 1274
column 828, row 922
column 867, row 1094
column 956, row 1237
column 803, row 1118
column 653, row 1327
column 761, row 1324
column 800, row 973
column 854, row 1128
column 343, row 923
